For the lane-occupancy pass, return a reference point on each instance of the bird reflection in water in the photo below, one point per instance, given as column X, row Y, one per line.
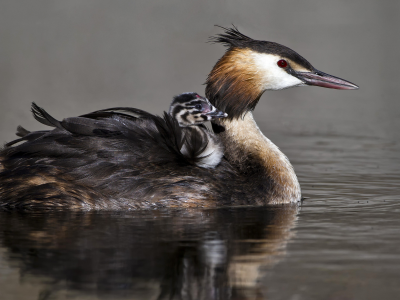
column 182, row 254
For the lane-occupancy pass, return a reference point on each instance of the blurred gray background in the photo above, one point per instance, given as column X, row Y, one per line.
column 73, row 57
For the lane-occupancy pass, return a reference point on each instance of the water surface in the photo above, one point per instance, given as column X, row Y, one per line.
column 341, row 243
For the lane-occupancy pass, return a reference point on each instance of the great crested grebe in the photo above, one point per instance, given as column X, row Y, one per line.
column 125, row 158
column 191, row 111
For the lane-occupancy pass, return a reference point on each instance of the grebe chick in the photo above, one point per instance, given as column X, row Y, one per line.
column 192, row 111
column 125, row 158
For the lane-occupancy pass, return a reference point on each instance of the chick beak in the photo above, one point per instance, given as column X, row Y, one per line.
column 216, row 114
column 322, row 79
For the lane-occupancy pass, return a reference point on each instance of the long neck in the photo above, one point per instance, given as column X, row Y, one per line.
column 234, row 86
column 256, row 156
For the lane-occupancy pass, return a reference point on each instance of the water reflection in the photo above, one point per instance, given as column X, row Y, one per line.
column 208, row 254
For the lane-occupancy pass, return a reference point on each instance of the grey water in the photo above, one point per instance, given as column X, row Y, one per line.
column 342, row 242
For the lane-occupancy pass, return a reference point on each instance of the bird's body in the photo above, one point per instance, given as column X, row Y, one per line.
column 125, row 158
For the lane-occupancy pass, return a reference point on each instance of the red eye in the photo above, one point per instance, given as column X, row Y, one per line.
column 282, row 63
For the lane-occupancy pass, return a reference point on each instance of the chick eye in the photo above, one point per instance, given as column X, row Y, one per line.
column 198, row 106
column 282, row 63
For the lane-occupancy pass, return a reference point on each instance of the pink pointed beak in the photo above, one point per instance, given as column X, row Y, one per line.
column 319, row 78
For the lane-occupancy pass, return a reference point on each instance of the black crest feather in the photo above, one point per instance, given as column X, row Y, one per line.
column 231, row 37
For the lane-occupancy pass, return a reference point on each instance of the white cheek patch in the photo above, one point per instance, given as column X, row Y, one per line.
column 273, row 77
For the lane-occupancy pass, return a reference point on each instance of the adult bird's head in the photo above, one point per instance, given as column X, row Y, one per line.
column 250, row 67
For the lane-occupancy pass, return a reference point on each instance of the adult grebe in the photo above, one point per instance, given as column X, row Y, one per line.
column 111, row 160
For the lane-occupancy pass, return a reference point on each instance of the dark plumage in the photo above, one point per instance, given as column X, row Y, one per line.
column 125, row 158
column 109, row 159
